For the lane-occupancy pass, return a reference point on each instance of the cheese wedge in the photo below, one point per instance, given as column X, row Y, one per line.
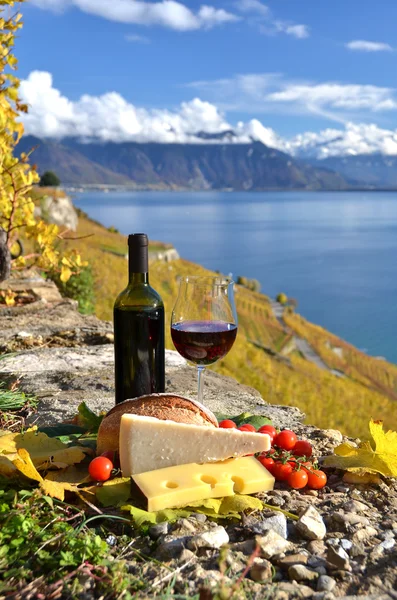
column 177, row 486
column 147, row 444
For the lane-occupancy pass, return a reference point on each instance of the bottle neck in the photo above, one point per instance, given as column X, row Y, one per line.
column 138, row 269
column 138, row 278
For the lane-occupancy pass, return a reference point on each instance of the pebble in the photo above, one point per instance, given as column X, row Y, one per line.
column 311, row 525
column 339, row 558
column 214, row 538
column 277, row 523
column 346, row 544
column 171, row 548
column 302, row 573
column 332, row 434
column 316, row 547
column 363, row 535
column 293, row 590
column 355, row 506
column 387, row 544
column 332, row 541
column 186, row 555
column 200, row 517
column 247, row 547
column 155, row 531
column 292, row 559
column 261, row 571
column 272, row 544
column 325, row 583
column 323, row 596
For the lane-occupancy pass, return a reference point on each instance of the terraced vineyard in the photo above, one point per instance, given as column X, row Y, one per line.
column 369, row 388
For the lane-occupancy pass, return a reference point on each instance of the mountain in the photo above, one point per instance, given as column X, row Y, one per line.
column 377, row 170
column 203, row 166
column 71, row 166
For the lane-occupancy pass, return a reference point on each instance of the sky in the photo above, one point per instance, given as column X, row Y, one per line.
column 295, row 74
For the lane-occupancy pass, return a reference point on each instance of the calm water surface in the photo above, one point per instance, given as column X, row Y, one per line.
column 336, row 253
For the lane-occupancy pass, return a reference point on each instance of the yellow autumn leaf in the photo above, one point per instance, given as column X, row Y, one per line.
column 378, row 457
column 56, row 483
column 66, row 274
column 24, row 464
column 44, row 451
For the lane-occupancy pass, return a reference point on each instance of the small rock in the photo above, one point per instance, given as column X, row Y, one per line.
column 332, row 541
column 261, row 571
column 293, row 590
column 323, row 596
column 272, row 544
column 184, row 526
column 155, row 531
column 247, row 547
column 186, row 555
column 363, row 535
column 311, row 525
column 214, row 538
column 331, row 434
column 292, row 559
column 325, row 583
column 302, row 573
column 171, row 548
column 200, row 517
column 111, row 540
column 316, row 547
column 355, row 506
column 357, row 550
column 387, row 544
column 339, row 558
column 277, row 523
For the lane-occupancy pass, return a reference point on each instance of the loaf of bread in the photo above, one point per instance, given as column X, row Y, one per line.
column 162, row 406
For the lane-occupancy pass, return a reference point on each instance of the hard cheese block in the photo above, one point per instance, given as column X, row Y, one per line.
column 177, row 486
column 147, row 444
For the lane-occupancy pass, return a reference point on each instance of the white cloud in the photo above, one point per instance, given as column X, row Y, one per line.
column 298, row 31
column 166, row 13
column 268, row 24
column 272, row 92
column 365, row 46
column 135, row 38
column 110, row 117
column 354, row 139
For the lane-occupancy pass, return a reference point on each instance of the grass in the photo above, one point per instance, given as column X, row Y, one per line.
column 368, row 390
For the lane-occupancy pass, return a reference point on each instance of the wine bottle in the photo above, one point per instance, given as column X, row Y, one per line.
column 138, row 329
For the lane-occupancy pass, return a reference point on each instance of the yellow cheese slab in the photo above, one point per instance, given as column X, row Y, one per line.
column 177, row 486
column 147, row 444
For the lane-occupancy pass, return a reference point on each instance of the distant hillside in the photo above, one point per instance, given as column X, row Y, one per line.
column 203, row 166
column 71, row 166
column 376, row 170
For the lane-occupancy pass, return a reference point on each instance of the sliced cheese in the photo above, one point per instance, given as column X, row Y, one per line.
column 147, row 444
column 177, row 486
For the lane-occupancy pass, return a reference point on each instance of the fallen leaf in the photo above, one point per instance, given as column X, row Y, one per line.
column 244, row 418
column 43, row 450
column 87, row 419
column 239, row 503
column 24, row 464
column 364, row 479
column 114, row 492
column 380, row 457
column 140, row 516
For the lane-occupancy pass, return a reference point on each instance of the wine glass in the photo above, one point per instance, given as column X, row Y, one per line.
column 204, row 321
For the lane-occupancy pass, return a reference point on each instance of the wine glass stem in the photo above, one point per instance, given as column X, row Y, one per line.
column 200, row 382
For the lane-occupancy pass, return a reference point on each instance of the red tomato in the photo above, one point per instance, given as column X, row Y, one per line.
column 269, row 429
column 298, row 479
column 285, row 440
column 247, row 427
column 100, row 468
column 316, row 479
column 227, row 424
column 281, row 471
column 268, row 462
column 302, row 448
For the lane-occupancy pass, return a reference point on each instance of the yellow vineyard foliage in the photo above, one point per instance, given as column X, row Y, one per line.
column 17, row 176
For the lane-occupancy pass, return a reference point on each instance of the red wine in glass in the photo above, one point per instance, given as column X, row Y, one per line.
column 203, row 342
column 204, row 321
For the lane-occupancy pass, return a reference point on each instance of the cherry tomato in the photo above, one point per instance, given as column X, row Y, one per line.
column 100, row 468
column 109, row 454
column 302, row 448
column 281, row 471
column 316, row 479
column 227, row 424
column 269, row 429
column 247, row 427
column 285, row 440
column 268, row 462
column 298, row 479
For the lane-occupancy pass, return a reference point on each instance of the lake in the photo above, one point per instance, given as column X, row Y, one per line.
column 335, row 252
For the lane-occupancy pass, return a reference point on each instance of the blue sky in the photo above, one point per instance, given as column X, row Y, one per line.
column 294, row 65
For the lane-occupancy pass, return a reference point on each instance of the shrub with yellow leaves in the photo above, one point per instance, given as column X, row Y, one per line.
column 17, row 176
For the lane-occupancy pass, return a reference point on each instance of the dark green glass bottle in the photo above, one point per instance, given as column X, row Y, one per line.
column 138, row 329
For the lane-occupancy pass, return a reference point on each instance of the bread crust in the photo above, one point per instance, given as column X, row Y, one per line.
column 161, row 406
